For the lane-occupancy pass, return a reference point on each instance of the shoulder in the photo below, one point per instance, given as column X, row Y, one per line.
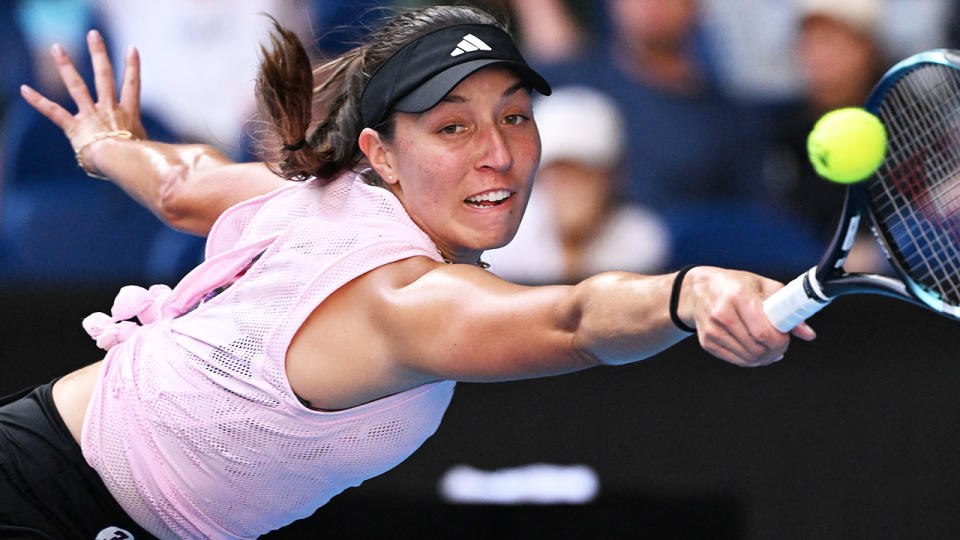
column 373, row 295
column 343, row 353
column 395, row 276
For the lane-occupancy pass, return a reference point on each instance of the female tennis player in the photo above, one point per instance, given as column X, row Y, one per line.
column 341, row 297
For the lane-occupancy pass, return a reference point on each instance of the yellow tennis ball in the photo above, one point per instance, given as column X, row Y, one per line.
column 847, row 145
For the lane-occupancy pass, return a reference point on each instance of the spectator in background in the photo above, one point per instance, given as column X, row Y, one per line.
column 549, row 32
column 692, row 152
column 575, row 226
column 840, row 56
column 40, row 23
column 685, row 141
column 752, row 40
column 340, row 24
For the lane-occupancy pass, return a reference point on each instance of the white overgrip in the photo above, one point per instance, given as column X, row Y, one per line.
column 792, row 305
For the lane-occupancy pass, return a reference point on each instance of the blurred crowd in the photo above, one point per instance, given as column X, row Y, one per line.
column 676, row 135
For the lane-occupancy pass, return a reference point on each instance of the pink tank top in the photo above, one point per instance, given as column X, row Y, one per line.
column 193, row 425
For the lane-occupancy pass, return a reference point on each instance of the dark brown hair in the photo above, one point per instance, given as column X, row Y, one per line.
column 287, row 97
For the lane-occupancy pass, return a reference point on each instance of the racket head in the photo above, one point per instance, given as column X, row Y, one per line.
column 913, row 199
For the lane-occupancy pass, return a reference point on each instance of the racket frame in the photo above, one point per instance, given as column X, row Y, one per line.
column 814, row 289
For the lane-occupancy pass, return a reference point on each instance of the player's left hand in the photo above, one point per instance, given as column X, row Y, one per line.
column 107, row 113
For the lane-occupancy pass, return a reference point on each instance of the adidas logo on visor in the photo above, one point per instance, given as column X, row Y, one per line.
column 469, row 43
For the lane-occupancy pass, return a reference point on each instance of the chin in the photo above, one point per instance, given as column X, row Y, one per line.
column 490, row 237
column 499, row 241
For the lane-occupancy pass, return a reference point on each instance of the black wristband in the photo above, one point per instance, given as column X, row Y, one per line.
column 675, row 299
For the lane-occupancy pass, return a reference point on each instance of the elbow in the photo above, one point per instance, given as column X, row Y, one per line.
column 583, row 357
column 578, row 341
column 596, row 354
column 176, row 197
column 172, row 197
column 612, row 320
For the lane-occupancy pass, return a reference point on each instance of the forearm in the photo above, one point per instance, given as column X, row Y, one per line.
column 627, row 317
column 624, row 317
column 162, row 177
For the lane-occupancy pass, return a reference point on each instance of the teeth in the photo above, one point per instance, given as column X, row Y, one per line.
column 490, row 196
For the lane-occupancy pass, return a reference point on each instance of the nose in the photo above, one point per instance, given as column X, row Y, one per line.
column 496, row 154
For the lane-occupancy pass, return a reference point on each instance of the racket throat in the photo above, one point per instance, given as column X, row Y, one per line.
column 812, row 288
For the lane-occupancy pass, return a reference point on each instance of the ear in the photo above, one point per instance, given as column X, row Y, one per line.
column 378, row 154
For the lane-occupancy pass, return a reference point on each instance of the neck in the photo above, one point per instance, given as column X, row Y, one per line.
column 466, row 257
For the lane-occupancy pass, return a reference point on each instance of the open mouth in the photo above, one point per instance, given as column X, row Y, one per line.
column 488, row 199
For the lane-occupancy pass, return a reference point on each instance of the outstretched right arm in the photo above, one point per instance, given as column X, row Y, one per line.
column 481, row 328
column 417, row 321
column 186, row 185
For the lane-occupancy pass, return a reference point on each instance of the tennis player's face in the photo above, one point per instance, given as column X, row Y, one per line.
column 464, row 168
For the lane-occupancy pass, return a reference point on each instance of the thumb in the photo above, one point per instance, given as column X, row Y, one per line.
column 768, row 286
column 804, row 332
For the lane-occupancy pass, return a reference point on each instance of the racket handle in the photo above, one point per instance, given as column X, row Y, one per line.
column 795, row 302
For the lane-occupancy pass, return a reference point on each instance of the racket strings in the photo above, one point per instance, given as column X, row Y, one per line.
column 916, row 194
column 932, row 260
column 909, row 176
column 940, row 155
column 933, row 253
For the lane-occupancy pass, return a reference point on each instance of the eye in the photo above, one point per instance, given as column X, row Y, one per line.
column 451, row 129
column 514, row 119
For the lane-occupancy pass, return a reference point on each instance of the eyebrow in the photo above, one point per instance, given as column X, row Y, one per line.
column 453, row 98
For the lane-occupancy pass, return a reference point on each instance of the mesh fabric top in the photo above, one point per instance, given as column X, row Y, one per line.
column 193, row 425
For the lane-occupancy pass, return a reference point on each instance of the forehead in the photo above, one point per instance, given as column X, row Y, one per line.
column 490, row 79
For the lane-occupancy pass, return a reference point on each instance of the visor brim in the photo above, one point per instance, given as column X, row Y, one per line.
column 428, row 94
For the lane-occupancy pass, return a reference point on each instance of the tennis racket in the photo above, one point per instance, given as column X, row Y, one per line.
column 911, row 203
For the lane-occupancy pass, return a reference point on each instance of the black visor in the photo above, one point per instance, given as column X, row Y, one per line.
column 417, row 76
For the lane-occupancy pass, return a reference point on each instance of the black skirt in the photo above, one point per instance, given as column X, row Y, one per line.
column 47, row 489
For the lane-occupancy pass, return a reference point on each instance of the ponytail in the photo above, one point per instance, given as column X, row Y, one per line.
column 285, row 99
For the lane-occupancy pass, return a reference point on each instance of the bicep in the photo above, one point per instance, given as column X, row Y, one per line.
column 461, row 323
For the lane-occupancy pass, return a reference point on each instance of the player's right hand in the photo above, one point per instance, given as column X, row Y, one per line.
column 727, row 309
